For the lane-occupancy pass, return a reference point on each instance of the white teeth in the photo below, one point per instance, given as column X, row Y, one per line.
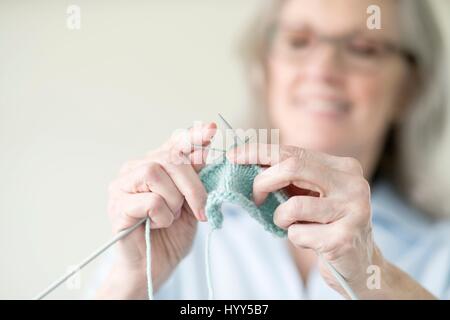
column 325, row 106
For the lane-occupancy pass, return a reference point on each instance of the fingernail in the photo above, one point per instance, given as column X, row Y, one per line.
column 207, row 134
column 258, row 200
column 202, row 215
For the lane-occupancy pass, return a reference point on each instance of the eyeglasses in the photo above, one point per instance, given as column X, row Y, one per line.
column 355, row 52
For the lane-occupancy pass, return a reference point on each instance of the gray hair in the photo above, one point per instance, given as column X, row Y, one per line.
column 411, row 159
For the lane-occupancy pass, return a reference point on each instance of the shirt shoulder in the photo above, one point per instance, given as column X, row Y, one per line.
column 411, row 240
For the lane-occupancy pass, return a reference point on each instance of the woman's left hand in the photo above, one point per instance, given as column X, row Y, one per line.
column 336, row 224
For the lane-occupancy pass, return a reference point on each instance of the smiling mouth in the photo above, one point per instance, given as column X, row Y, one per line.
column 323, row 106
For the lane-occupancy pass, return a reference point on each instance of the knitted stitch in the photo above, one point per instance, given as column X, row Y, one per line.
column 228, row 182
column 233, row 183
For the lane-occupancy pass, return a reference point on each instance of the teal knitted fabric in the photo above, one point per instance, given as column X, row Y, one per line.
column 228, row 182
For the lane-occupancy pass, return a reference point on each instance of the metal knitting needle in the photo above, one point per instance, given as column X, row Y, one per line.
column 102, row 249
column 282, row 197
column 208, row 148
column 94, row 255
column 228, row 125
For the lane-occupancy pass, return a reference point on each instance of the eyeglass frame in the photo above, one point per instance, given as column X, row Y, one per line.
column 388, row 46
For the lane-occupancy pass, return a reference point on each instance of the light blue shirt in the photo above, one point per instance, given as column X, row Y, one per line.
column 249, row 263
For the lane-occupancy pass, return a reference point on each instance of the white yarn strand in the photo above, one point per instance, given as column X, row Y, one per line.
column 282, row 197
column 148, row 249
column 86, row 261
column 339, row 278
column 208, row 265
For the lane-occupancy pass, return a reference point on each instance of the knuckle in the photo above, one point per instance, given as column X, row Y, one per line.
column 156, row 210
column 358, row 187
column 179, row 203
column 289, row 212
column 167, row 221
column 292, row 235
column 320, row 246
column 330, row 254
column 352, row 165
column 297, row 205
column 366, row 213
column 342, row 241
column 363, row 212
column 292, row 151
column 257, row 182
column 175, row 158
column 152, row 172
column 281, row 218
column 335, row 207
column 156, row 202
column 362, row 188
column 359, row 211
column 195, row 193
column 294, row 164
column 277, row 219
column 299, row 153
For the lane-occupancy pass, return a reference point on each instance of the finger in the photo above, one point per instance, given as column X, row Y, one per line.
column 329, row 239
column 188, row 140
column 173, row 182
column 271, row 154
column 194, row 144
column 198, row 159
column 310, row 176
column 188, row 183
column 182, row 141
column 134, row 207
column 307, row 209
column 309, row 236
column 152, row 177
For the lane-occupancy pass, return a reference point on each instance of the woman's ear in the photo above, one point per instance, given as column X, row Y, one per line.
column 409, row 92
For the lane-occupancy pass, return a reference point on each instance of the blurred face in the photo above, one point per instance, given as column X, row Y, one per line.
column 334, row 85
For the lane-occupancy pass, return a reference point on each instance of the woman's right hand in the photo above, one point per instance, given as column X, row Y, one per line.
column 164, row 186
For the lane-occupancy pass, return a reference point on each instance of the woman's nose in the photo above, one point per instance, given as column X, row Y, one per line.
column 324, row 62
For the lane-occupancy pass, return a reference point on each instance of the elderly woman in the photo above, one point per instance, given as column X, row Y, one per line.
column 354, row 106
